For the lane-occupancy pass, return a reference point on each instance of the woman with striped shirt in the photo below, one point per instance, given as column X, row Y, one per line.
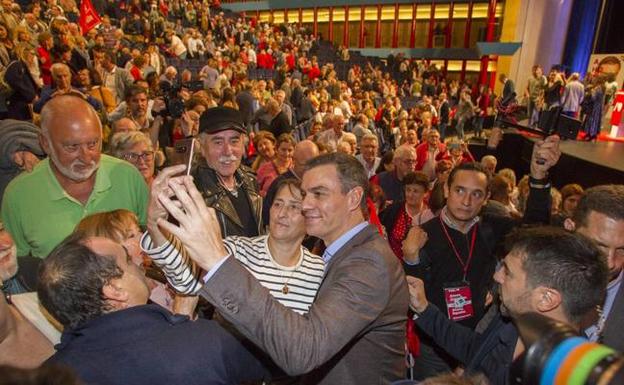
column 288, row 270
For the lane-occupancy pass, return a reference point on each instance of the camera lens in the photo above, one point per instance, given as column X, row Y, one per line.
column 555, row 355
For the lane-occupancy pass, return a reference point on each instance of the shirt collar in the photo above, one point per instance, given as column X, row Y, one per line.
column 102, row 182
column 336, row 245
column 451, row 223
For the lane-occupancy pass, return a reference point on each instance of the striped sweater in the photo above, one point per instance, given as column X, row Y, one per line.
column 301, row 281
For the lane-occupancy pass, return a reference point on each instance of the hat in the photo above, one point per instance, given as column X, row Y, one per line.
column 219, row 119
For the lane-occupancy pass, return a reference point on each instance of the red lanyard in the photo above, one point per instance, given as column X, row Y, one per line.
column 472, row 243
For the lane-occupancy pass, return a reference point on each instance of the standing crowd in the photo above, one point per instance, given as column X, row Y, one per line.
column 193, row 197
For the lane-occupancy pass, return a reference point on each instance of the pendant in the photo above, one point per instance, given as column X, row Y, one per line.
column 285, row 289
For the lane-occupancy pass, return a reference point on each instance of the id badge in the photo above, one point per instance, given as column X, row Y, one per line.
column 458, row 298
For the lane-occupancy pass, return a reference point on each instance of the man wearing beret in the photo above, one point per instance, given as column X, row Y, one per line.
column 227, row 186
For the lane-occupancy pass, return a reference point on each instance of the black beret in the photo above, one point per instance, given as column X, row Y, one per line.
column 219, row 119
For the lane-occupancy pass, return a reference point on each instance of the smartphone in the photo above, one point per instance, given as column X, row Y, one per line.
column 184, row 153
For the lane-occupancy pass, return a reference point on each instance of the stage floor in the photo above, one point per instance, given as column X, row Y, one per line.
column 607, row 154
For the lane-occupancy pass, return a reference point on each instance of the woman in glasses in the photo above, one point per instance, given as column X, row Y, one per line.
column 136, row 148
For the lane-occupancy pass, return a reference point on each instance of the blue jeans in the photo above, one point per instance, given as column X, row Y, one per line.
column 442, row 130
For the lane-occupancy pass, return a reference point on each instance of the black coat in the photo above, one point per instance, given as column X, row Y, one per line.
column 279, row 124
column 24, row 88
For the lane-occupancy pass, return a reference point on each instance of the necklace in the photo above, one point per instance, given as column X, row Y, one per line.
column 285, row 289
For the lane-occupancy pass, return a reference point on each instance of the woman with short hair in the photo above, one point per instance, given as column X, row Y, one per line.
column 136, row 148
column 399, row 217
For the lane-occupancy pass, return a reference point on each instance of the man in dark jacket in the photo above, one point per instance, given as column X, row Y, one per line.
column 111, row 336
column 226, row 185
column 455, row 252
column 548, row 271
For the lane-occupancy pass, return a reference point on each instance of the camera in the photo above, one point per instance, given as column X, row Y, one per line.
column 174, row 105
column 556, row 355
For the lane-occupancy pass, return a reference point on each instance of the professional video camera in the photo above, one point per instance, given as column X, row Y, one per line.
column 556, row 355
column 174, row 105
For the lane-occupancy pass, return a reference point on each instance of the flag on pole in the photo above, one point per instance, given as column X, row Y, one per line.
column 89, row 18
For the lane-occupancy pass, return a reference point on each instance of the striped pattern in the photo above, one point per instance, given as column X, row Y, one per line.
column 181, row 272
column 303, row 279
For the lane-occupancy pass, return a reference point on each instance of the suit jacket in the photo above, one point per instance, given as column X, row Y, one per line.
column 612, row 334
column 355, row 329
column 508, row 90
column 246, row 102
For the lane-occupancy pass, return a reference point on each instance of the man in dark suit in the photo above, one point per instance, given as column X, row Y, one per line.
column 509, row 90
column 246, row 102
column 355, row 330
column 600, row 216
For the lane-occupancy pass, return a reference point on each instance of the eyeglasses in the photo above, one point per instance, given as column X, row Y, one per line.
column 134, row 157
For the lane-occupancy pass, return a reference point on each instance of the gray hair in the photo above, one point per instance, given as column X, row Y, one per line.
column 123, row 141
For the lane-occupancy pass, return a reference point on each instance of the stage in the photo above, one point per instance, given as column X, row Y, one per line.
column 586, row 163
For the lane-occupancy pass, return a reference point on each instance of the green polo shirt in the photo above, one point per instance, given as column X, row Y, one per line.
column 39, row 214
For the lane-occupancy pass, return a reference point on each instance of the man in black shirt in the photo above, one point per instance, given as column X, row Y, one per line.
column 454, row 252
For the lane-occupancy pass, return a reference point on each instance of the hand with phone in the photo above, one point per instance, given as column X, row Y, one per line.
column 184, row 151
column 155, row 210
column 546, row 153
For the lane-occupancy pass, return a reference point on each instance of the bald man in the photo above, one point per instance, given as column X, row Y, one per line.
column 42, row 207
column 304, row 151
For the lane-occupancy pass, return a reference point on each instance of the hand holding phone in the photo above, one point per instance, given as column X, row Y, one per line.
column 184, row 151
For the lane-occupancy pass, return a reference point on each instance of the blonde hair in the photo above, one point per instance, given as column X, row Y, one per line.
column 114, row 225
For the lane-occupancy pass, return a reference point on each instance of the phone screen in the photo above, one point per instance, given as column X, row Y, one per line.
column 184, row 151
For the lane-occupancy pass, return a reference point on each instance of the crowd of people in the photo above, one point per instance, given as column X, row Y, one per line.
column 212, row 224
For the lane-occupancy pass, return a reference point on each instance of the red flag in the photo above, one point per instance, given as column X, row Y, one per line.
column 89, row 18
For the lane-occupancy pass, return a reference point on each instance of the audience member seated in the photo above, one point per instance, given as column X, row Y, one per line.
column 400, row 216
column 61, row 75
column 111, row 336
column 42, row 207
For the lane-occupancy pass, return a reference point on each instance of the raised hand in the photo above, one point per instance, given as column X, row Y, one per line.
column 415, row 240
column 155, row 210
column 198, row 228
column 546, row 154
